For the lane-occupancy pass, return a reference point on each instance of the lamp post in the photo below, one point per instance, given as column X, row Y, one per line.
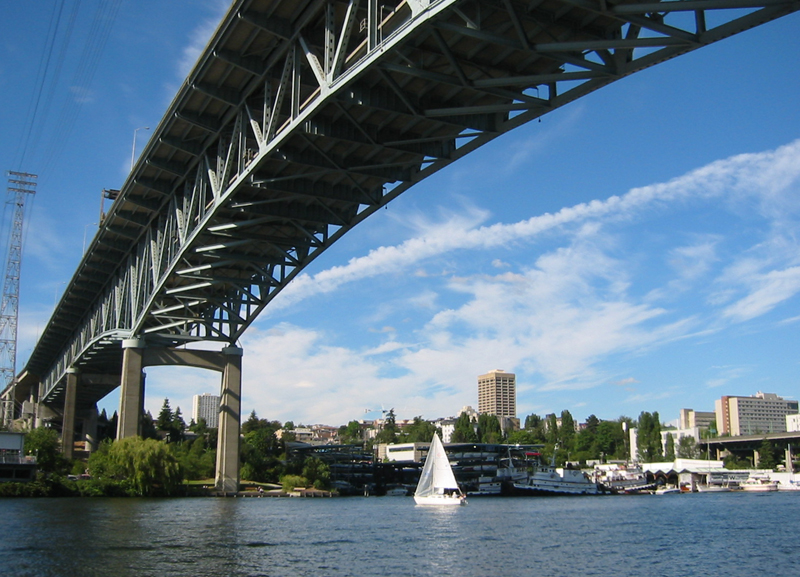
column 133, row 152
column 85, row 228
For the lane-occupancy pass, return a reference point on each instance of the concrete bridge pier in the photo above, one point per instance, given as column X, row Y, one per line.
column 230, row 409
column 131, row 394
column 138, row 355
column 89, row 429
column 68, row 418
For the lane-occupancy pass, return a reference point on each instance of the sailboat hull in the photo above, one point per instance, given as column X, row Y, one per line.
column 443, row 500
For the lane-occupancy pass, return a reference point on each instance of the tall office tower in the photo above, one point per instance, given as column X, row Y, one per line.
column 206, row 407
column 497, row 394
column 761, row 413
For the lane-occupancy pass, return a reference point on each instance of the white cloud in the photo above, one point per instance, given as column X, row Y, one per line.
column 767, row 291
column 738, row 175
column 557, row 322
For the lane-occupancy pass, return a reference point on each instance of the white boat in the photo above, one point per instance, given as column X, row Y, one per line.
column 759, row 485
column 546, row 480
column 667, row 490
column 398, row 491
column 437, row 484
column 713, row 489
column 622, row 479
column 509, row 470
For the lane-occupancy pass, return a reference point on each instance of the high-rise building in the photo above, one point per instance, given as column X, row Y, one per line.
column 497, row 394
column 689, row 419
column 762, row 413
column 206, row 406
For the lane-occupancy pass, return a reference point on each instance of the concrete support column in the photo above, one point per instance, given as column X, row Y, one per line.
column 68, row 419
column 131, row 394
column 229, row 420
column 756, row 459
column 89, row 430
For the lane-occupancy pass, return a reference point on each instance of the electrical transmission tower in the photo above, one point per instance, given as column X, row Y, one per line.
column 20, row 186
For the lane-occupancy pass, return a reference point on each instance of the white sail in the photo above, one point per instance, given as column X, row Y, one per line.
column 437, row 483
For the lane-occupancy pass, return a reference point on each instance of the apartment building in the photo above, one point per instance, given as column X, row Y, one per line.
column 761, row 413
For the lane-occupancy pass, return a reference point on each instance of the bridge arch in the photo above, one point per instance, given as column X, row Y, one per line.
column 301, row 119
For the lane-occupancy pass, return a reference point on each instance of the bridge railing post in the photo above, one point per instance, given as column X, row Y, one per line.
column 229, row 421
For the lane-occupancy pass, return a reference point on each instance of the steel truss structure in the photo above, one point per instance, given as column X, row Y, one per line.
column 21, row 185
column 303, row 117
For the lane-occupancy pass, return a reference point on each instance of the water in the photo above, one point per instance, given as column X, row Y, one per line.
column 731, row 534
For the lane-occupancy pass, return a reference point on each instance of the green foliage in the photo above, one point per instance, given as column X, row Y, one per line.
column 767, row 459
column 389, row 432
column 649, row 438
column 261, row 452
column 164, row 421
column 419, row 431
column 733, row 462
column 171, row 423
column 197, row 458
column 687, row 448
column 350, row 434
column 566, row 433
column 669, row 453
column 145, row 467
column 45, row 445
column 551, row 430
column 291, row 482
column 463, row 430
column 316, row 472
column 523, row 437
column 489, row 430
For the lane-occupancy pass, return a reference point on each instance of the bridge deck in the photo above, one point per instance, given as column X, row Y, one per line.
column 301, row 118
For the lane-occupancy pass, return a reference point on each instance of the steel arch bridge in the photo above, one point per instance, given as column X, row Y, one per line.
column 302, row 118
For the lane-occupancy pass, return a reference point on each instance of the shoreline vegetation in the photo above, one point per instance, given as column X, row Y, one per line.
column 172, row 459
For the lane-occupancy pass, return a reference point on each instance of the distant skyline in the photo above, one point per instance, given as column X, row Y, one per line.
column 634, row 251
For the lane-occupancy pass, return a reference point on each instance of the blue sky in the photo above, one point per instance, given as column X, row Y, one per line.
column 634, row 251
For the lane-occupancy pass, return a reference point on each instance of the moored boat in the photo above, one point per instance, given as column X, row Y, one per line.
column 759, row 485
column 547, row 480
column 667, row 490
column 713, row 489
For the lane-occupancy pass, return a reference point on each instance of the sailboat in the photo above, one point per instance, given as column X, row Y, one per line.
column 437, row 484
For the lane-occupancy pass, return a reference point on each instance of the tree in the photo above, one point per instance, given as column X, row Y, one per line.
column 551, row 429
column 145, row 467
column 610, row 440
column 489, row 430
column 388, row 434
column 669, row 453
column 566, row 433
column 766, row 455
column 649, row 438
column 535, row 426
column 178, row 424
column 463, row 430
column 350, row 434
column 44, row 444
column 586, row 440
column 687, row 448
column 316, row 472
column 419, row 431
column 523, row 437
column 261, row 450
column 532, row 421
column 165, row 416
